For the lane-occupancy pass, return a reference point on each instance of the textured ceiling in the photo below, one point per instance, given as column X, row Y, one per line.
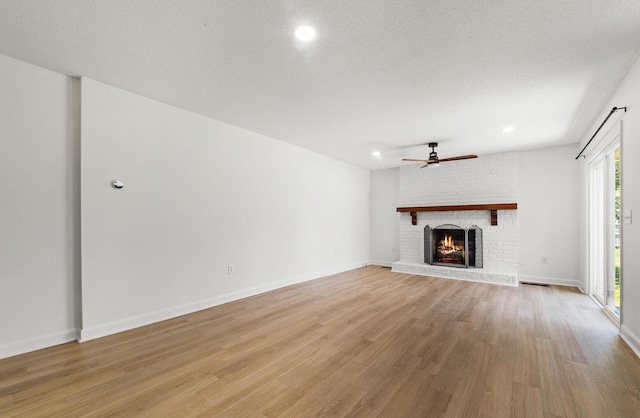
column 381, row 75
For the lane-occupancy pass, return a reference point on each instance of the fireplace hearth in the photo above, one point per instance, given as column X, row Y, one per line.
column 453, row 246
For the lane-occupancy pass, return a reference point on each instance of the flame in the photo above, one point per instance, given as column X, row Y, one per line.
column 447, row 245
column 448, row 241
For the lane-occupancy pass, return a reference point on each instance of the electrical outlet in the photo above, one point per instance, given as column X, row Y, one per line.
column 544, row 259
column 231, row 269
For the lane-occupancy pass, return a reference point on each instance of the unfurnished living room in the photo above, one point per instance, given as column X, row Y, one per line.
column 291, row 208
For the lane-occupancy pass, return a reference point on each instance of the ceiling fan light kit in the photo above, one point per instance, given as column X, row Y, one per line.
column 434, row 161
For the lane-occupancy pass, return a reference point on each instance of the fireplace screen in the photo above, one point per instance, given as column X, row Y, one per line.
column 453, row 246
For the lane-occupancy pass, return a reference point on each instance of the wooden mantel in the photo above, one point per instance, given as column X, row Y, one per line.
column 493, row 207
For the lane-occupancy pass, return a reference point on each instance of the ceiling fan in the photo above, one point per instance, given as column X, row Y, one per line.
column 434, row 161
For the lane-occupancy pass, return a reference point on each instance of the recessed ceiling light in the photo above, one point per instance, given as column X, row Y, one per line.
column 376, row 153
column 508, row 129
column 305, row 33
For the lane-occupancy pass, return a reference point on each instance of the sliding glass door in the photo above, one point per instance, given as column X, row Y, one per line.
column 614, row 280
column 604, row 228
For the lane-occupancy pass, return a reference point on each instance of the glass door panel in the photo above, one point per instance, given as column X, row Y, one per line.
column 604, row 243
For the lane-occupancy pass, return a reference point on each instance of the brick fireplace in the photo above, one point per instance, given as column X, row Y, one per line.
column 471, row 184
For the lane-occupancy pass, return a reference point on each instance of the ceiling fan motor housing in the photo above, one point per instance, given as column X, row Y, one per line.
column 433, row 155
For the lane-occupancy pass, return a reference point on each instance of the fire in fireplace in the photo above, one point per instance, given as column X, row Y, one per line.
column 453, row 246
column 449, row 249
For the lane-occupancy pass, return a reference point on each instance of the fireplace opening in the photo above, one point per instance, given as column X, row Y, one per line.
column 453, row 246
column 449, row 246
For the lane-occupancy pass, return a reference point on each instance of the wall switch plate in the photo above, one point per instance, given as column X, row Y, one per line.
column 231, row 269
column 626, row 217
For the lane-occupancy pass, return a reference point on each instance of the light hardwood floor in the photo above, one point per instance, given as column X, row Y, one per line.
column 364, row 343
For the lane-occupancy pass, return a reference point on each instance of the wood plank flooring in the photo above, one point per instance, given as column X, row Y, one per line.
column 364, row 343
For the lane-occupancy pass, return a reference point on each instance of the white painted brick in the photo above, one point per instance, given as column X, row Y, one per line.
column 487, row 179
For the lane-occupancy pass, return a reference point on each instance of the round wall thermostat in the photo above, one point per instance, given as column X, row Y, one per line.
column 117, row 184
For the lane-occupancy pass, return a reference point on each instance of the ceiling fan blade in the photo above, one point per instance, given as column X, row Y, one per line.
column 425, row 166
column 461, row 157
column 422, row 161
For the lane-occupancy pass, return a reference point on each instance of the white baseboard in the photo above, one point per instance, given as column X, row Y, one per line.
column 550, row 280
column 632, row 340
column 37, row 343
column 87, row 334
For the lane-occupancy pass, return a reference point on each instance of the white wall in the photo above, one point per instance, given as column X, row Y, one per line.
column 39, row 230
column 627, row 94
column 548, row 213
column 200, row 195
column 385, row 227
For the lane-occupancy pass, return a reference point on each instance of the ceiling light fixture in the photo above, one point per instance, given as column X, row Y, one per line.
column 305, row 33
column 376, row 153
column 508, row 129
